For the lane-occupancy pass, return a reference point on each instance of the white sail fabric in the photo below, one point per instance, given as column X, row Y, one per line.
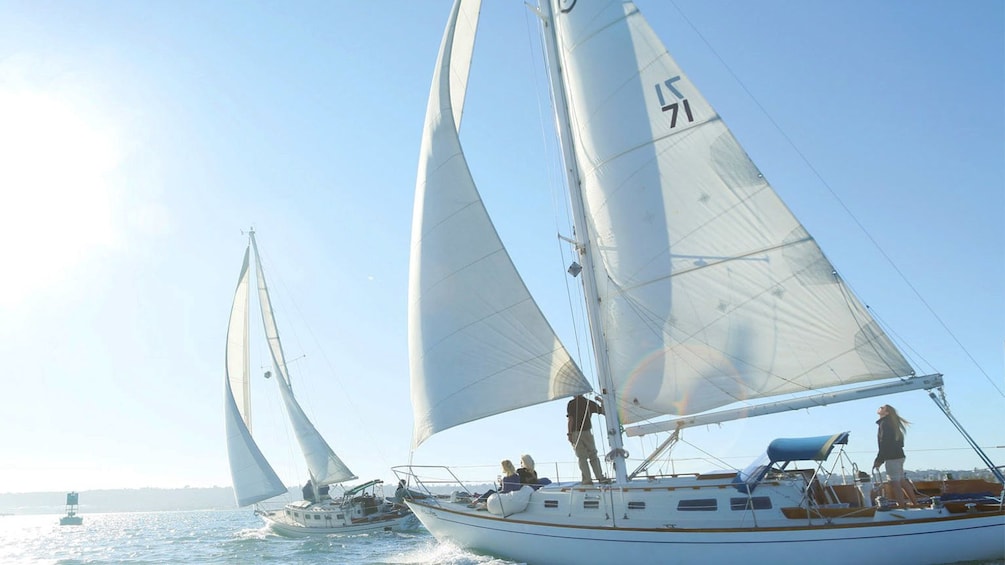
column 238, row 381
column 324, row 466
column 711, row 290
column 461, row 50
column 253, row 478
column 478, row 343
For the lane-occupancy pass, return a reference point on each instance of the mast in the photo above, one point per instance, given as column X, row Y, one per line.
column 583, row 240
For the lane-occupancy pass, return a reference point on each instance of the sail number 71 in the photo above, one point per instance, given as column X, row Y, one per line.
column 673, row 107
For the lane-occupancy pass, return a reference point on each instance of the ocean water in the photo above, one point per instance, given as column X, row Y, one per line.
column 224, row 536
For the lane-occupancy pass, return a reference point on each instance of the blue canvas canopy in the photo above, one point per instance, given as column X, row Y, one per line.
column 805, row 448
column 785, row 450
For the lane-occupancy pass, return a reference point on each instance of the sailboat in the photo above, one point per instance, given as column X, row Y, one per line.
column 357, row 510
column 682, row 248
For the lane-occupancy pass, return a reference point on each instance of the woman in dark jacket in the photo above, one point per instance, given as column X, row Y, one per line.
column 890, row 437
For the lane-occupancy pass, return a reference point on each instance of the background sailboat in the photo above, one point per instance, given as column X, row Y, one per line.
column 358, row 509
column 686, row 251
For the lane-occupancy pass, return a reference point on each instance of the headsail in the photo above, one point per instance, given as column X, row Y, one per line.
column 325, row 467
column 253, row 478
column 711, row 291
column 478, row 343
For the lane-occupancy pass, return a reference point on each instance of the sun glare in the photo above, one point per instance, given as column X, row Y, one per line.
column 56, row 198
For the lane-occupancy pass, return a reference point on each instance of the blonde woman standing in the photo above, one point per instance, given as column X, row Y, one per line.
column 890, row 437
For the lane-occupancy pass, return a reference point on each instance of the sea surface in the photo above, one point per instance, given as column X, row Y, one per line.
column 210, row 536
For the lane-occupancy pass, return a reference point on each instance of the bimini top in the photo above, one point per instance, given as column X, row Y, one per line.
column 805, row 448
column 362, row 487
column 785, row 450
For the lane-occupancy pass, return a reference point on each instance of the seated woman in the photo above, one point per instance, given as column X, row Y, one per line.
column 511, row 480
column 528, row 475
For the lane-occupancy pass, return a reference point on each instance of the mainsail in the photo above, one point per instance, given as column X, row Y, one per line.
column 253, row 478
column 478, row 343
column 711, row 291
column 324, row 466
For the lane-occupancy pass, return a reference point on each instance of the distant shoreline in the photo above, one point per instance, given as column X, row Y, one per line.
column 131, row 500
column 120, row 500
column 222, row 498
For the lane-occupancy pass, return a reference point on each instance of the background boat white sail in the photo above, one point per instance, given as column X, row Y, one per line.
column 702, row 290
column 359, row 509
column 253, row 478
column 324, row 466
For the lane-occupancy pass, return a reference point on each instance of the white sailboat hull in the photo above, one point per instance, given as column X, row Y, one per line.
column 532, row 537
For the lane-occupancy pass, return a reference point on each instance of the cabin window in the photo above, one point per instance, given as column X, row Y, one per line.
column 698, row 505
column 340, row 516
column 636, row 505
column 591, row 504
column 754, row 503
column 551, row 504
column 317, row 516
column 296, row 514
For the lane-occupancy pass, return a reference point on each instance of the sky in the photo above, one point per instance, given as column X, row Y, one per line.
column 139, row 141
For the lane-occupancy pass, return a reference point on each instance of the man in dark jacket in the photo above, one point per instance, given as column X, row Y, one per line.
column 578, row 413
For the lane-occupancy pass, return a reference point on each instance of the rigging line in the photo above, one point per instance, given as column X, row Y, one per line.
column 560, row 200
column 834, row 194
column 711, row 456
column 915, row 352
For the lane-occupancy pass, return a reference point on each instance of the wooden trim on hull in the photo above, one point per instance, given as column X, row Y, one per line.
column 797, row 512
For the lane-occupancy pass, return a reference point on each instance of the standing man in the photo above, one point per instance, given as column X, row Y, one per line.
column 578, row 413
